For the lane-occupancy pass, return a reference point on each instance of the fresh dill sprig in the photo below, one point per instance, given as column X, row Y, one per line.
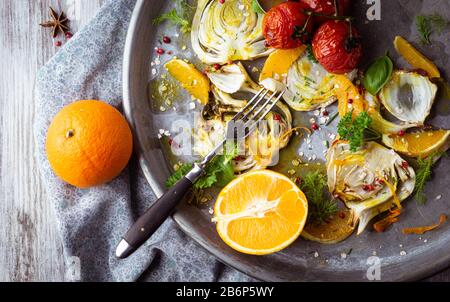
column 320, row 206
column 423, row 175
column 357, row 131
column 426, row 24
column 178, row 16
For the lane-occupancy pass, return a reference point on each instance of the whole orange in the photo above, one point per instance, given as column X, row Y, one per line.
column 88, row 143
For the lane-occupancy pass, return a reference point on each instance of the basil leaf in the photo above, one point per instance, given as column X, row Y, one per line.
column 378, row 74
column 257, row 8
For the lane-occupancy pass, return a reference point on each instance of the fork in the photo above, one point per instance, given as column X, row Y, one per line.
column 144, row 227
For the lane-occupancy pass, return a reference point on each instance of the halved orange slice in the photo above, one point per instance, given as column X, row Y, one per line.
column 279, row 62
column 260, row 212
column 415, row 58
column 419, row 144
column 195, row 82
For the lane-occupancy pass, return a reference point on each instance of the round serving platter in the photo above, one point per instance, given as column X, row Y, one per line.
column 389, row 256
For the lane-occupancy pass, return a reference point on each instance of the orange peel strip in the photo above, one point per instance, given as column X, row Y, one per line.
column 423, row 229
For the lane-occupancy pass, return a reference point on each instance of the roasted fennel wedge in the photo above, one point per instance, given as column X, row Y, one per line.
column 227, row 31
column 369, row 181
column 262, row 146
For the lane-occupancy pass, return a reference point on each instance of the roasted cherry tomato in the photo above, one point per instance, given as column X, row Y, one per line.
column 286, row 26
column 335, row 48
column 326, row 7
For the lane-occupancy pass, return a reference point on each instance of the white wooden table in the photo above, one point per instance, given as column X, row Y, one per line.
column 30, row 247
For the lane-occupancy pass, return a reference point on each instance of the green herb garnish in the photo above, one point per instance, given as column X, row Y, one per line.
column 378, row 74
column 320, row 206
column 423, row 175
column 332, row 118
column 178, row 174
column 178, row 16
column 310, row 54
column 426, row 24
column 219, row 171
column 357, row 130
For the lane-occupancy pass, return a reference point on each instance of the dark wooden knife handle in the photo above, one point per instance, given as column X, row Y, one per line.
column 158, row 212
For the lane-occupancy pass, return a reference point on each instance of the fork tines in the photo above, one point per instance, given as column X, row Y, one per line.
column 258, row 107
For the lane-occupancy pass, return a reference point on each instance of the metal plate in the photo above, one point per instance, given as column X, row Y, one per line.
column 425, row 254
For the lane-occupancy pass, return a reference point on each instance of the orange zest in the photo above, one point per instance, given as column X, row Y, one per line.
column 260, row 212
column 381, row 225
column 423, row 229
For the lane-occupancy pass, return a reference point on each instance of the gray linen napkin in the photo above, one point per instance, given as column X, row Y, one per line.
column 92, row 221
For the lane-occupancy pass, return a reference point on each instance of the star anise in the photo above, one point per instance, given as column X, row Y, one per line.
column 58, row 22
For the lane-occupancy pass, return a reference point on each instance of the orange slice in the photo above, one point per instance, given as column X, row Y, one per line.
column 279, row 61
column 348, row 96
column 415, row 58
column 337, row 229
column 260, row 212
column 195, row 82
column 418, row 144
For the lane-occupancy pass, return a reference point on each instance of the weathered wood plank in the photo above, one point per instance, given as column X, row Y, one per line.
column 30, row 247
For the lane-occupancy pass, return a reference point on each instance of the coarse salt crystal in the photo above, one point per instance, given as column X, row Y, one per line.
column 438, row 197
column 191, row 105
column 316, row 254
column 343, row 255
column 402, row 253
